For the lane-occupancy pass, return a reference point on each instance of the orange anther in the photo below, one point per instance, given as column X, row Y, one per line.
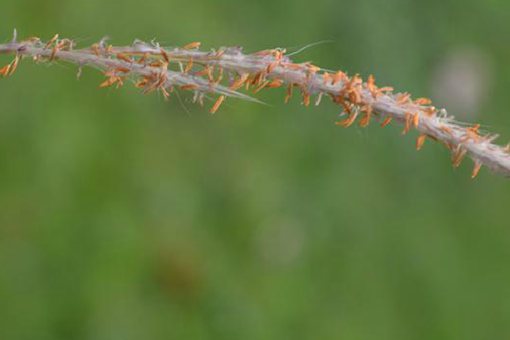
column 192, row 46
column 217, row 104
column 419, row 141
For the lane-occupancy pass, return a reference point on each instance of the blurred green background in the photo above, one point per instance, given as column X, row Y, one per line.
column 125, row 217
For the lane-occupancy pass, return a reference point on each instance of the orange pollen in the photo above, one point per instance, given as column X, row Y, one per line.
column 348, row 121
column 189, row 87
column 420, row 141
column 423, row 101
column 192, row 46
column 386, row 121
column 416, row 120
column 217, row 104
column 476, row 169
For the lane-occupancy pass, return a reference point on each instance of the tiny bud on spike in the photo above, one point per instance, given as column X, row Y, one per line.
column 403, row 98
column 218, row 103
column 143, row 58
column 53, row 53
column 108, row 82
column 141, row 84
column 192, row 46
column 220, row 76
column 51, row 41
column 446, row 129
column 420, row 141
column 306, row 98
column 476, row 169
column 472, row 133
column 204, row 72
column 189, row 65
column 261, row 86
column 337, row 77
column 257, row 79
column 386, row 121
column 371, row 82
column 312, row 69
column 189, row 87
column 124, row 57
column 423, row 101
column 4, row 71
column 386, row 89
column 123, row 69
column 239, row 82
column 383, row 90
column 164, row 55
column 289, row 93
column 270, row 68
column 372, row 88
column 430, row 111
column 416, row 120
column 407, row 125
column 95, row 49
column 348, row 121
column 365, row 120
column 275, row 84
column 14, row 65
column 458, row 155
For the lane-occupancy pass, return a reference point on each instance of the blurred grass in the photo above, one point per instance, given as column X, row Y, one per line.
column 125, row 217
